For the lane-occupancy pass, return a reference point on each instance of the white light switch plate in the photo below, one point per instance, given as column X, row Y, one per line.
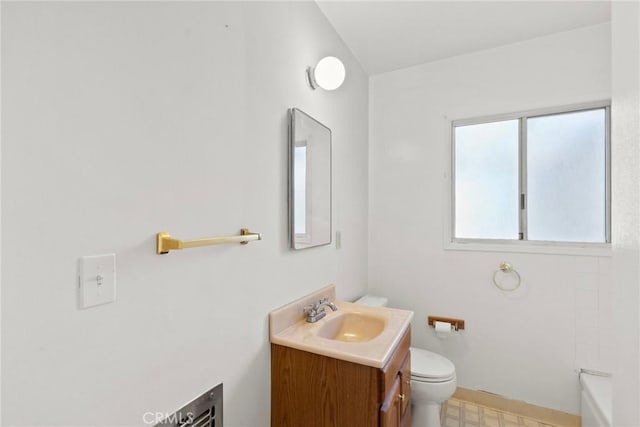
column 96, row 280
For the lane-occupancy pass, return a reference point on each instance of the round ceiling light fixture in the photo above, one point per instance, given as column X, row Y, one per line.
column 328, row 74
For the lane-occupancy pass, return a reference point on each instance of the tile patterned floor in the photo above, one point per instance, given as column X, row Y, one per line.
column 460, row 413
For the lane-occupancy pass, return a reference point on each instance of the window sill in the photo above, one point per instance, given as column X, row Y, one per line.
column 548, row 248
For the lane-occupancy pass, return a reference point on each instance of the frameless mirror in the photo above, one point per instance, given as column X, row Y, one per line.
column 309, row 181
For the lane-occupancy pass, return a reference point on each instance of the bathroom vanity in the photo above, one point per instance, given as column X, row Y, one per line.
column 351, row 368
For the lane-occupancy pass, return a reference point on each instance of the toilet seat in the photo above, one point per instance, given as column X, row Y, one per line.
column 427, row 366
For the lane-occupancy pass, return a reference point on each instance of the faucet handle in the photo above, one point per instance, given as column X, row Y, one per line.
column 324, row 300
column 309, row 310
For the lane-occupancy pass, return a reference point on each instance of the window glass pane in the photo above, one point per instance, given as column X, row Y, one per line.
column 486, row 180
column 566, row 167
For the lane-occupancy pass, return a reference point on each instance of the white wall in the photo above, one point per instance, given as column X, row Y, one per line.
column 525, row 346
column 124, row 119
column 0, row 220
column 626, row 208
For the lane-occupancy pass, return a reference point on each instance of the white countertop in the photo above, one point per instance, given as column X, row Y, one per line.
column 288, row 327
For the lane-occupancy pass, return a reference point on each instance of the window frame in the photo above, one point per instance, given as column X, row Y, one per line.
column 522, row 244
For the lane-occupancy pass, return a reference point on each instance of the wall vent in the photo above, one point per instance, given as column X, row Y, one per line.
column 203, row 411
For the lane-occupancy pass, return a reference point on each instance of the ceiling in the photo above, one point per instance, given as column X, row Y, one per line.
column 389, row 35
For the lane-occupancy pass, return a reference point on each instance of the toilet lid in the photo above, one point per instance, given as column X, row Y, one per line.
column 430, row 366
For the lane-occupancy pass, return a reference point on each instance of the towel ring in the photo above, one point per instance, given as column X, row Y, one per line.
column 505, row 268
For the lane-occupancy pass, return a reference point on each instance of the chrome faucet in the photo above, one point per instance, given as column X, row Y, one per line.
column 315, row 312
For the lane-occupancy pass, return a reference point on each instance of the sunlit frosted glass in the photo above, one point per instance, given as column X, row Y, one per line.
column 300, row 189
column 486, row 180
column 566, row 177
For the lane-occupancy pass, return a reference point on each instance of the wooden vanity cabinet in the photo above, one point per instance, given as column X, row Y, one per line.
column 308, row 389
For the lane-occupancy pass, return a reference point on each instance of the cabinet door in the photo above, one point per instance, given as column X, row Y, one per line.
column 391, row 409
column 405, row 382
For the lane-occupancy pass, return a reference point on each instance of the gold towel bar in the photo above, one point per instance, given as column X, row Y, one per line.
column 165, row 243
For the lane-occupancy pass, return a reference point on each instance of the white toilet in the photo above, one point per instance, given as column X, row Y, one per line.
column 433, row 378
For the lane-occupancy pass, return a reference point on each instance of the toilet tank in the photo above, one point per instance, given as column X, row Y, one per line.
column 372, row 301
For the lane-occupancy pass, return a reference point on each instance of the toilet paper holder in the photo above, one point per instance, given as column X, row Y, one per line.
column 456, row 324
